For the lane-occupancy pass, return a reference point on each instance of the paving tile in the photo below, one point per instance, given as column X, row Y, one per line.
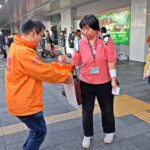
column 97, row 118
column 130, row 119
column 15, row 138
column 48, row 142
column 119, row 122
column 96, row 142
column 134, row 130
column 62, row 137
column 17, row 146
column 77, row 133
column 97, row 127
column 51, row 148
column 55, row 128
column 60, row 110
column 141, row 141
column 71, row 145
column 8, row 119
column 2, row 143
column 69, row 124
column 123, row 145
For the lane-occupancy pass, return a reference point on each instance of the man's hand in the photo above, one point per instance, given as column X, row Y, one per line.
column 62, row 59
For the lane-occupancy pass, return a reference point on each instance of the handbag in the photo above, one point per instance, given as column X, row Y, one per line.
column 77, row 88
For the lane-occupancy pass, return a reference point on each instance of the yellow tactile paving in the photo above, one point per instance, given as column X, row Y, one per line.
column 143, row 115
column 11, row 129
column 124, row 105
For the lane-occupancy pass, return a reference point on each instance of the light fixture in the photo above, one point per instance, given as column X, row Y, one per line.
column 1, row 6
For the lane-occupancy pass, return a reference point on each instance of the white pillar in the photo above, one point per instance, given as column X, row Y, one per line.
column 67, row 18
column 138, row 30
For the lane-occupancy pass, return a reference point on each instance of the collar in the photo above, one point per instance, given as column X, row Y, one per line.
column 19, row 40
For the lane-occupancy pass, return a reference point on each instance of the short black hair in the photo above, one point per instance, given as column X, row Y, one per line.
column 78, row 30
column 103, row 29
column 91, row 21
column 32, row 25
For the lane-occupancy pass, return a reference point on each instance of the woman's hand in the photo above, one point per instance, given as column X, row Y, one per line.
column 114, row 83
column 64, row 59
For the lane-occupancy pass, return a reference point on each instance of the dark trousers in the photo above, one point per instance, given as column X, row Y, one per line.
column 37, row 133
column 105, row 100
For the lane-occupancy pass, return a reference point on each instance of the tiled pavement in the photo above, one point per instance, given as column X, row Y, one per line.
column 132, row 133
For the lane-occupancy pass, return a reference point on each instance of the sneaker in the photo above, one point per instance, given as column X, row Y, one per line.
column 109, row 138
column 86, row 142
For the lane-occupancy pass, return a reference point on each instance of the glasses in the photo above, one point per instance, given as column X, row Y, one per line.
column 41, row 34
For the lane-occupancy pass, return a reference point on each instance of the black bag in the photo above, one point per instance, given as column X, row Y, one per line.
column 77, row 88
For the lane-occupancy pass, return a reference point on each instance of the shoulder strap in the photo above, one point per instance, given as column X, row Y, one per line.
column 107, row 35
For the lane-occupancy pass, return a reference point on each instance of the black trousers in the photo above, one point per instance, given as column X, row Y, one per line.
column 105, row 100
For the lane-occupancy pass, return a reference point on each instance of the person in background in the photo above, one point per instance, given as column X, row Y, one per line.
column 49, row 44
column 24, row 74
column 77, row 39
column 52, row 35
column 2, row 44
column 146, row 73
column 71, row 39
column 42, row 43
column 10, row 39
column 97, row 78
column 104, row 35
column 62, row 43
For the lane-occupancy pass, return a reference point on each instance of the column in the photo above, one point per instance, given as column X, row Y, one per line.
column 138, row 30
column 67, row 17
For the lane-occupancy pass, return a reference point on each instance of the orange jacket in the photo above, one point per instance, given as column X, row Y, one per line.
column 24, row 75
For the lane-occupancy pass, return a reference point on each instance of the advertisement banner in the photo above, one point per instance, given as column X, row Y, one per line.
column 118, row 26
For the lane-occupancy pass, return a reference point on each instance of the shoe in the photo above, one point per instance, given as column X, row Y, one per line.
column 109, row 138
column 86, row 142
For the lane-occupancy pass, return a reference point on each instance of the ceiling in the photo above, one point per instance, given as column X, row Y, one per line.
column 16, row 11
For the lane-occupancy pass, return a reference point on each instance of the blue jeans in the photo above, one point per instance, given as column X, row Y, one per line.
column 36, row 124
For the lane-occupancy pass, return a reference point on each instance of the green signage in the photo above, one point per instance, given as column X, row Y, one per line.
column 118, row 26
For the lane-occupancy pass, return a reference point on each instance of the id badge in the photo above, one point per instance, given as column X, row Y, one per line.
column 94, row 70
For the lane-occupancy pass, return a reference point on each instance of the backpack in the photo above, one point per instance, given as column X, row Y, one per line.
column 105, row 37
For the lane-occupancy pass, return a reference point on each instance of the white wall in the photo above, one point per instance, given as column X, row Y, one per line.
column 102, row 6
column 138, row 30
column 67, row 17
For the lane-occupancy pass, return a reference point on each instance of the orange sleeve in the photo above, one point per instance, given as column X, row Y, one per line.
column 33, row 66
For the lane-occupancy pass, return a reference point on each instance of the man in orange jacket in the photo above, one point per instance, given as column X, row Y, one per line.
column 23, row 81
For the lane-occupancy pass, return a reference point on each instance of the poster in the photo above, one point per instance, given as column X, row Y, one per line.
column 118, row 26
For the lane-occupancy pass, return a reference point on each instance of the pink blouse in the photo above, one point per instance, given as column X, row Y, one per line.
column 84, row 57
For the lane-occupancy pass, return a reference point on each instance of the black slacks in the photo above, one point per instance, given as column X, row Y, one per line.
column 105, row 100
